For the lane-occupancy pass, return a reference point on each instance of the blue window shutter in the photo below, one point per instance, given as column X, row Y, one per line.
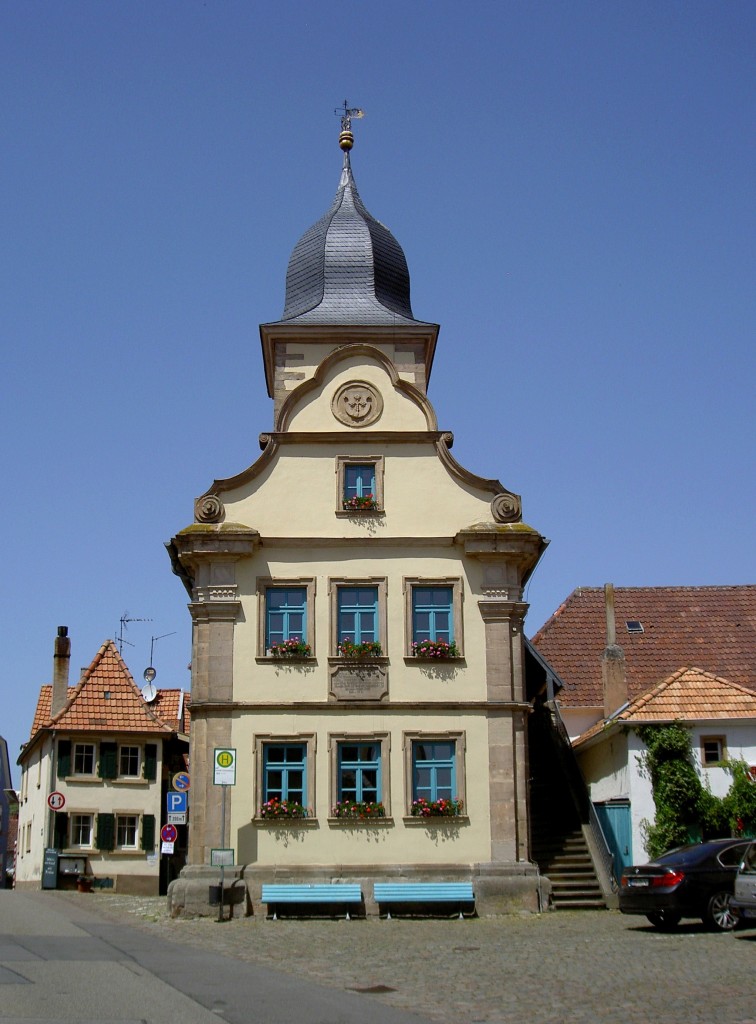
column 434, row 770
column 433, row 613
column 360, row 772
column 358, row 614
column 285, row 614
column 285, row 772
column 359, row 480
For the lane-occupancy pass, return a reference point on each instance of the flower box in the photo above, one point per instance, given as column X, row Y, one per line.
column 369, row 649
column 368, row 809
column 277, row 810
column 423, row 808
column 290, row 649
column 364, row 503
column 438, row 650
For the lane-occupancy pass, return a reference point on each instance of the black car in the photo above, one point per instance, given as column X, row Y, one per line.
column 691, row 881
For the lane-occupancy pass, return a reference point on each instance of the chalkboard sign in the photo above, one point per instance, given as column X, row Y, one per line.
column 50, row 870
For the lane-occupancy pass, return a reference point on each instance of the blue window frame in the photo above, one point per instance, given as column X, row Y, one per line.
column 358, row 614
column 434, row 770
column 432, row 614
column 285, row 614
column 359, row 480
column 285, row 772
column 359, row 776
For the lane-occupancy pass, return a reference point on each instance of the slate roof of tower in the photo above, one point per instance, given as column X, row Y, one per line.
column 689, row 695
column 348, row 268
column 88, row 709
column 711, row 627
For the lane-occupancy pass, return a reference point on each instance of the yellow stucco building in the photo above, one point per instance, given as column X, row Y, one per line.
column 357, row 607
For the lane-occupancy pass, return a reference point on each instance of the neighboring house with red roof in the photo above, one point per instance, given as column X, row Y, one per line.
column 633, row 656
column 108, row 751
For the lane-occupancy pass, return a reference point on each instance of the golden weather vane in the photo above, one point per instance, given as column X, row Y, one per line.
column 346, row 113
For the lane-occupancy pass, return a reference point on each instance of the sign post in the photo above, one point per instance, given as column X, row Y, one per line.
column 224, row 775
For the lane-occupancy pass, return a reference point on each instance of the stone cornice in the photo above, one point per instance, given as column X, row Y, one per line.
column 378, row 707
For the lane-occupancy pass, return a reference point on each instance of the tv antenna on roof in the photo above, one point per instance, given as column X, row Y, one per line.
column 120, row 639
column 149, row 690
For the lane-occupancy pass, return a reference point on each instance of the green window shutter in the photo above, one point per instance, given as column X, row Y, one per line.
column 64, row 758
column 105, row 831
column 108, row 766
column 148, row 832
column 150, row 762
column 60, row 840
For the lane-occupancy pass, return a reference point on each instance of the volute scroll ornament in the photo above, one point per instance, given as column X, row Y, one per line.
column 357, row 404
column 209, row 509
column 506, row 508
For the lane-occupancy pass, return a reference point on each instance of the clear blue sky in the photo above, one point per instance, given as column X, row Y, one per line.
column 573, row 186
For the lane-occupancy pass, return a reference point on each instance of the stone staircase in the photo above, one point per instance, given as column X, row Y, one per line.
column 566, row 861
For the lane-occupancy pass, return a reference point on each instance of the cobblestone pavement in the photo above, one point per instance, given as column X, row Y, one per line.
column 565, row 966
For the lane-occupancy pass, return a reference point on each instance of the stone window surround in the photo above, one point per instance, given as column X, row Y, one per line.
column 80, row 813
column 263, row 584
column 310, row 740
column 383, row 739
column 127, row 814
column 359, row 460
column 77, row 744
column 455, row 582
column 435, row 736
column 139, row 747
column 721, row 741
column 334, row 583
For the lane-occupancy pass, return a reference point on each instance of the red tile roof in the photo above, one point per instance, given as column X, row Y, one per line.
column 689, row 695
column 106, row 699
column 713, row 627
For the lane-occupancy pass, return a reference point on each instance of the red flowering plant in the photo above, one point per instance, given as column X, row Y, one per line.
column 359, row 503
column 358, row 809
column 368, row 649
column 422, row 808
column 277, row 809
column 438, row 649
column 293, row 648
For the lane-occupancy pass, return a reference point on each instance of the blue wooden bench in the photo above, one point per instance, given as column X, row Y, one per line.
column 387, row 893
column 334, row 892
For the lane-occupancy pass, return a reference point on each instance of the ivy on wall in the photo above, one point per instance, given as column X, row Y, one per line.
column 685, row 809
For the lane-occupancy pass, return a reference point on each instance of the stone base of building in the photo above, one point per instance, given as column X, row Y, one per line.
column 499, row 888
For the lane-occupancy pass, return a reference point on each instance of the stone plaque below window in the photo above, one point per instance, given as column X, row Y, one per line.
column 354, row 681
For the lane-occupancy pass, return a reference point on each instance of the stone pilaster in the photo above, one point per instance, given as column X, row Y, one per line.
column 206, row 556
column 507, row 552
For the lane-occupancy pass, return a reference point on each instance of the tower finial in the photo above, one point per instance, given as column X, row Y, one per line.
column 346, row 113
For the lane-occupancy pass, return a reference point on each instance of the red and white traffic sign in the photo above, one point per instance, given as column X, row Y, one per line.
column 56, row 801
column 169, row 833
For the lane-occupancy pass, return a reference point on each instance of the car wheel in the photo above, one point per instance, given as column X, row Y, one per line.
column 664, row 920
column 720, row 916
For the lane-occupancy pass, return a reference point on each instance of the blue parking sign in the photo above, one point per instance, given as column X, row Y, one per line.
column 176, row 802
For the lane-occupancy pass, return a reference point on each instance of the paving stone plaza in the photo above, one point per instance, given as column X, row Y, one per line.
column 565, row 966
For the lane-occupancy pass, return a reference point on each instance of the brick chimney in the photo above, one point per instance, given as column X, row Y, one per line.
column 61, row 662
column 613, row 669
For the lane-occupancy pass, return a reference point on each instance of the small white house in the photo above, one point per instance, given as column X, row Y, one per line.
column 722, row 719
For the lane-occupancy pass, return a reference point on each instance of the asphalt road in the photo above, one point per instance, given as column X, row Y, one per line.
column 559, row 968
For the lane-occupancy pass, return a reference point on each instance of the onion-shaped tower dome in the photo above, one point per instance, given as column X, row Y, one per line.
column 347, row 268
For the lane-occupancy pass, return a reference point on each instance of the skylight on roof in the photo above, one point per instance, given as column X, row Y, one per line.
column 634, row 626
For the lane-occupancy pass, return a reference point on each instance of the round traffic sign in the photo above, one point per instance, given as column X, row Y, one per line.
column 169, row 833
column 225, row 758
column 56, row 801
column 181, row 781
